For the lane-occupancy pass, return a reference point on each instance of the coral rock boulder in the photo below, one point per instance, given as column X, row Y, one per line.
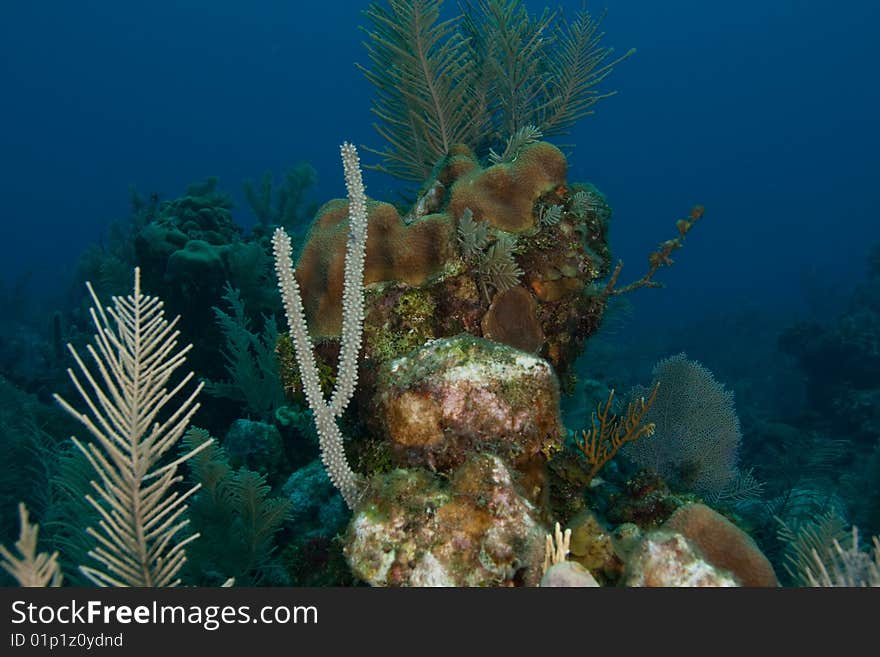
column 723, row 544
column 414, row 528
column 454, row 397
column 666, row 559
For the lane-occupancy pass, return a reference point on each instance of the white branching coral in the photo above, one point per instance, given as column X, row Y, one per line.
column 30, row 568
column 136, row 420
column 325, row 413
column 556, row 547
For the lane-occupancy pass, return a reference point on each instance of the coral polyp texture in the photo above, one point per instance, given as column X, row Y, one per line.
column 505, row 194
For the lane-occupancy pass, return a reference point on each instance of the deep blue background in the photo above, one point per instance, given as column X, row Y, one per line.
column 763, row 111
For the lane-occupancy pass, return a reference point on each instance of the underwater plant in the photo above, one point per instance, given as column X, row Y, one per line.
column 250, row 359
column 847, row 567
column 135, row 354
column 284, row 204
column 477, row 78
column 235, row 516
column 30, row 568
column 661, row 257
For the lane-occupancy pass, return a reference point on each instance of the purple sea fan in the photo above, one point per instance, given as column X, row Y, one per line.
column 697, row 434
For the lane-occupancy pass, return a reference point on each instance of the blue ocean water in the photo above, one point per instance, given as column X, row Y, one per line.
column 763, row 112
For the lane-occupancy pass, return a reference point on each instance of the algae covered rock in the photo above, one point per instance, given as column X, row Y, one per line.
column 592, row 546
column 568, row 574
column 457, row 396
column 724, row 544
column 668, row 559
column 414, row 528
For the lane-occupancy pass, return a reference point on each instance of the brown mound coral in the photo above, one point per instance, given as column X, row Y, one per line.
column 512, row 320
column 411, row 254
column 505, row 194
column 723, row 544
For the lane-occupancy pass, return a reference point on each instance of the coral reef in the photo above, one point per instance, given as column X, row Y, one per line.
column 840, row 427
column 453, row 326
column 666, row 559
column 477, row 258
column 453, row 397
column 841, row 358
column 723, row 544
column 416, row 529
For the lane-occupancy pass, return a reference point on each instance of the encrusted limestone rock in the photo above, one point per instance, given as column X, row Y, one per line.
column 668, row 559
column 417, row 529
column 568, row 574
column 457, row 396
column 724, row 544
column 592, row 546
